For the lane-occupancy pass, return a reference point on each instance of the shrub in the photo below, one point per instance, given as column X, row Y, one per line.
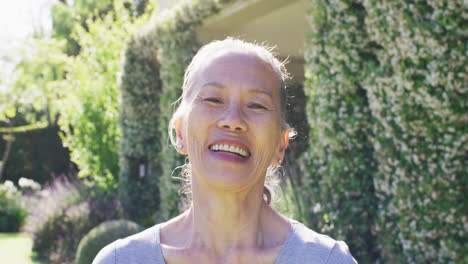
column 65, row 211
column 103, row 235
column 12, row 212
column 138, row 182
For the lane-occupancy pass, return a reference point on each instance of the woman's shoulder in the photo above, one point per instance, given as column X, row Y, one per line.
column 142, row 247
column 304, row 245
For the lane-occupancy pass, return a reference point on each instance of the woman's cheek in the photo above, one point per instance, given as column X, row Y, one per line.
column 195, row 148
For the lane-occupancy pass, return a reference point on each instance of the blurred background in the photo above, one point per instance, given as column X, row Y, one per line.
column 378, row 97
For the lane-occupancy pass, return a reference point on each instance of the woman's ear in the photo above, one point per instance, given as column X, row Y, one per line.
column 282, row 148
column 181, row 146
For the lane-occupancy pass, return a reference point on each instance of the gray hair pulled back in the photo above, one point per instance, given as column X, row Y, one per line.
column 265, row 55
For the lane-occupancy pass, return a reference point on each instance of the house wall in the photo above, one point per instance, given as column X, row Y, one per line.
column 274, row 22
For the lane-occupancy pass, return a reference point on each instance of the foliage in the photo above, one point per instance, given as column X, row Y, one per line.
column 140, row 136
column 90, row 112
column 28, row 104
column 419, row 96
column 37, row 82
column 103, row 235
column 64, row 212
column 387, row 108
column 339, row 166
column 68, row 15
column 12, row 211
column 63, row 20
column 47, row 85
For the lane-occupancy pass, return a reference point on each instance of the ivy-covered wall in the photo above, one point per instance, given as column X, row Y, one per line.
column 388, row 113
column 418, row 97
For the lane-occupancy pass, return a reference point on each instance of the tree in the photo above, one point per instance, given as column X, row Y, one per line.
column 90, row 111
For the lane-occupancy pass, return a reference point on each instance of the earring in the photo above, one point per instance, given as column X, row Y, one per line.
column 179, row 146
column 279, row 161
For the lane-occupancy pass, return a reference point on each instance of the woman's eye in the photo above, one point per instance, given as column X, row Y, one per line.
column 257, row 106
column 213, row 100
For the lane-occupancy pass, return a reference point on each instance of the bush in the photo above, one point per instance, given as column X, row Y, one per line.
column 12, row 212
column 103, row 235
column 65, row 211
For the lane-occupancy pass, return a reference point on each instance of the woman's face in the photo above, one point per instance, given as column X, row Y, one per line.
column 232, row 127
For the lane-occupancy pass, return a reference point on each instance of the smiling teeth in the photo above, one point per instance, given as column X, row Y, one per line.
column 229, row 148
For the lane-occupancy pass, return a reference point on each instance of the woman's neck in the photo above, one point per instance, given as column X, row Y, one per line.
column 224, row 221
column 225, row 227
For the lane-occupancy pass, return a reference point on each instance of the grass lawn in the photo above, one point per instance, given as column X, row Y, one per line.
column 15, row 248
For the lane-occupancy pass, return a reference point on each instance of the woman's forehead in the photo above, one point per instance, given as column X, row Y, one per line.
column 237, row 69
column 224, row 57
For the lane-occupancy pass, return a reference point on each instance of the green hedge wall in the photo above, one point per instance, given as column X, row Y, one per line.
column 419, row 101
column 388, row 111
column 140, row 88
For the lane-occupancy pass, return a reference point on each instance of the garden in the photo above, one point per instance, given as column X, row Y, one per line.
column 379, row 160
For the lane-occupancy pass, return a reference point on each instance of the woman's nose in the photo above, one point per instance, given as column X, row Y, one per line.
column 233, row 120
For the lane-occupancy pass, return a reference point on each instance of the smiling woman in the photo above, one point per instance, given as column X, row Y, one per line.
column 231, row 124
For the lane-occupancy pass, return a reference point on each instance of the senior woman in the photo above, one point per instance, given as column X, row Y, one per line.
column 231, row 124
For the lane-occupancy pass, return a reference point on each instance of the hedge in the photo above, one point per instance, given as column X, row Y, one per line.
column 419, row 101
column 388, row 107
column 139, row 146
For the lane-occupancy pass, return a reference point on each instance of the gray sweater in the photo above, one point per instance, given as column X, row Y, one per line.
column 301, row 246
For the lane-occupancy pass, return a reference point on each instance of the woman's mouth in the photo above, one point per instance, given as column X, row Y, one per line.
column 237, row 150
